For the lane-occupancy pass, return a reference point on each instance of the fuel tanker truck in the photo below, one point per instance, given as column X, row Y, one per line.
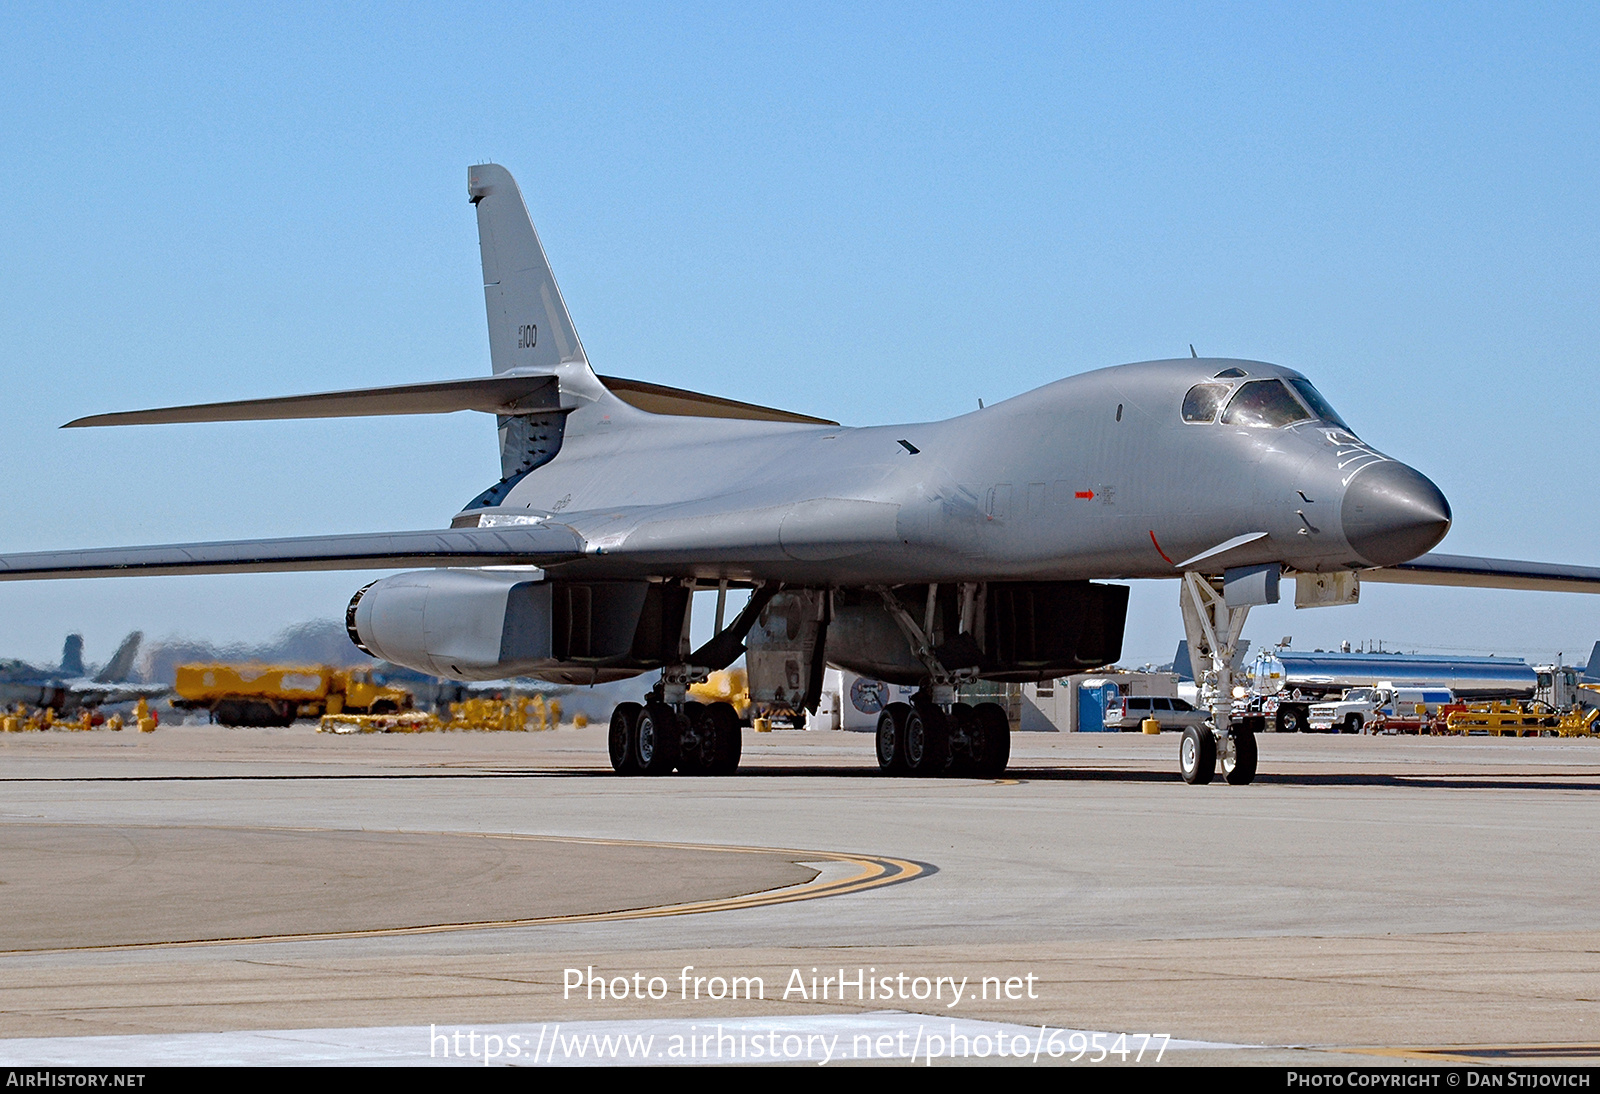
column 1287, row 683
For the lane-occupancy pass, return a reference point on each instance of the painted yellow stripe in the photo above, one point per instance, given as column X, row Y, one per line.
column 872, row 872
column 1483, row 1054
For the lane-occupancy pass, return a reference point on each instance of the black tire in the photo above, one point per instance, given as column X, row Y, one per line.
column 993, row 741
column 892, row 739
column 656, row 739
column 927, row 738
column 729, row 738
column 697, row 751
column 1239, row 761
column 620, row 740
column 965, row 740
column 1197, row 756
column 1292, row 720
column 1352, row 724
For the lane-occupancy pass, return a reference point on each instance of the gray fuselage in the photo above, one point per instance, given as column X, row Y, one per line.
column 1093, row 476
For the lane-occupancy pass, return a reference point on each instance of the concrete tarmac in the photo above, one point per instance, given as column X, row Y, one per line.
column 1367, row 900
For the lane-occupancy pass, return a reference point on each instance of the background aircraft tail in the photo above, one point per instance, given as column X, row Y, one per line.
column 72, row 656
column 1591, row 671
column 120, row 667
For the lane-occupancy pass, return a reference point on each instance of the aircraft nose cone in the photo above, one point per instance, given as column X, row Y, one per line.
column 1392, row 513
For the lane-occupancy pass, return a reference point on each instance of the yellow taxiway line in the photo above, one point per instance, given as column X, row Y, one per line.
column 871, row 872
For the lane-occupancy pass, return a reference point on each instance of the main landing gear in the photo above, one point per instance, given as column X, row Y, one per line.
column 654, row 738
column 920, row 739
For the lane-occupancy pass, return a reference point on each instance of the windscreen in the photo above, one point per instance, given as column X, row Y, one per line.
column 1264, row 404
column 1319, row 406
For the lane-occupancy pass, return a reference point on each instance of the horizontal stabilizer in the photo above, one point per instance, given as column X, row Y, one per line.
column 505, row 394
column 536, row 545
column 1489, row 573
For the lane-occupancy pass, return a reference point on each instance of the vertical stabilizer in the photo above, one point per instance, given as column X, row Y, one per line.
column 529, row 328
column 1182, row 664
column 72, row 656
column 120, row 667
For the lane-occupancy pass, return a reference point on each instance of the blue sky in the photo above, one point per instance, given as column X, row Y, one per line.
column 873, row 213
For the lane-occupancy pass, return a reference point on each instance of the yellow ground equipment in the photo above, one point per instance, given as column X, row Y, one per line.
column 729, row 686
column 24, row 719
column 520, row 714
column 1515, row 720
column 275, row 695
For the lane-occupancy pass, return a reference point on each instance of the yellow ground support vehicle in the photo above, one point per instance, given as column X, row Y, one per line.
column 728, row 686
column 275, row 695
column 1519, row 720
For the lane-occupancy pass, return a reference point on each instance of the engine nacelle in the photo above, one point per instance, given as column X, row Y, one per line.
column 492, row 624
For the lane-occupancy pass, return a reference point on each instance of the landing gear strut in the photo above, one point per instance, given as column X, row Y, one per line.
column 935, row 734
column 669, row 731
column 1213, row 629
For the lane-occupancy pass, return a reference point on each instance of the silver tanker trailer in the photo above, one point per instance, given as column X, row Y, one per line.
column 1287, row 683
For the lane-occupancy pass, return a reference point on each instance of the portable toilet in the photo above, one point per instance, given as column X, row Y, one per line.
column 1094, row 696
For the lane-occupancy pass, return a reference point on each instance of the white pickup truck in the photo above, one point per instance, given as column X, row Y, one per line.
column 1403, row 710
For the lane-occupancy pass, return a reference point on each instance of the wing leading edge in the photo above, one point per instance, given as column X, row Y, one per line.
column 538, row 545
column 1489, row 573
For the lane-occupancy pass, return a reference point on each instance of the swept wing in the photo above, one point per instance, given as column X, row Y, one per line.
column 539, row 544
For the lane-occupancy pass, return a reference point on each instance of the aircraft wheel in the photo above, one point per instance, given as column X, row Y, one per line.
column 697, row 753
column 993, row 739
column 1197, row 755
column 927, row 737
column 966, row 740
column 729, row 738
column 1239, row 758
column 620, row 740
column 892, row 739
column 656, row 739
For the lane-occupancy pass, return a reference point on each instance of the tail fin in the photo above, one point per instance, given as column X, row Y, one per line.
column 72, row 656
column 529, row 328
column 1181, row 664
column 1591, row 671
column 120, row 667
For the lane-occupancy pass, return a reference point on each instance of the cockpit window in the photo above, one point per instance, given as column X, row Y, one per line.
column 1264, row 404
column 1201, row 404
column 1319, row 406
column 1231, row 374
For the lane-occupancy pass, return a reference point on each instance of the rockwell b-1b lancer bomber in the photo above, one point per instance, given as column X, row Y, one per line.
column 931, row 554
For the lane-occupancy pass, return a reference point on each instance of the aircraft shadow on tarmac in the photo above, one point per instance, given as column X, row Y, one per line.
column 1444, row 782
column 1435, row 782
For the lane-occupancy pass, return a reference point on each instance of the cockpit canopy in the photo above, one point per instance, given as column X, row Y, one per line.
column 1259, row 404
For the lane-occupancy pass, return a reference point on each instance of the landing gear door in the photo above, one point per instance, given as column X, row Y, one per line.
column 783, row 647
